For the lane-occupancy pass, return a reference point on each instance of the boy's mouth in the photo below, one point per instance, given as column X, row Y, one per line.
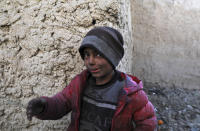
column 94, row 70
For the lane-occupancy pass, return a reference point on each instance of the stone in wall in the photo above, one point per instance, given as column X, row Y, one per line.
column 39, row 43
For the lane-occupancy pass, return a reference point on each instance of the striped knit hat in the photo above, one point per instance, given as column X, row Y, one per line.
column 107, row 41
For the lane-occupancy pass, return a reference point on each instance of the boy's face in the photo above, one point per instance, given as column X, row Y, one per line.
column 99, row 67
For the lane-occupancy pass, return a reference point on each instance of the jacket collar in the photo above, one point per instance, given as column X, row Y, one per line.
column 132, row 83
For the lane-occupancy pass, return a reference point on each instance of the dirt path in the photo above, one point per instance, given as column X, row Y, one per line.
column 179, row 109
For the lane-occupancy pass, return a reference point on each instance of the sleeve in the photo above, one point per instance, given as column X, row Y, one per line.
column 144, row 116
column 58, row 105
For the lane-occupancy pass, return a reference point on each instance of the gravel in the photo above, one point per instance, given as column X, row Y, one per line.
column 178, row 108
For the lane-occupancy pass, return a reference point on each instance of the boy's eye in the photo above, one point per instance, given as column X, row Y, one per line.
column 98, row 55
column 86, row 55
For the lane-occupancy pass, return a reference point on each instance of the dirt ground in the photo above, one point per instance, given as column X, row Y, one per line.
column 178, row 108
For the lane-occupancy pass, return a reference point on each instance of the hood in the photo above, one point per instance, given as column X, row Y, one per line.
column 132, row 84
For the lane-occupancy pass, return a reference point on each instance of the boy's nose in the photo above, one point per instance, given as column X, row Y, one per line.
column 91, row 60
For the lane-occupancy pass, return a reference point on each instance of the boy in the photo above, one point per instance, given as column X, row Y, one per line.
column 100, row 98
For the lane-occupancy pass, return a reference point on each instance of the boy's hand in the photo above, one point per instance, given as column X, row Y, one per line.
column 35, row 107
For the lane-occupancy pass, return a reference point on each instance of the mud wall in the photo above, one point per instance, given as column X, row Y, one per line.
column 39, row 41
column 166, row 39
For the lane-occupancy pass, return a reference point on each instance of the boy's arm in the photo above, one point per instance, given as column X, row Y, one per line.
column 58, row 105
column 144, row 116
column 63, row 102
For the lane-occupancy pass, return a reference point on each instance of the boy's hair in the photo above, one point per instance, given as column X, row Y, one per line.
column 107, row 41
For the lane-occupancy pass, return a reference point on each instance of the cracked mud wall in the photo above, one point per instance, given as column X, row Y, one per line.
column 166, row 40
column 39, row 43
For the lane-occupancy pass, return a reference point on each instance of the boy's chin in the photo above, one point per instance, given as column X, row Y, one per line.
column 96, row 76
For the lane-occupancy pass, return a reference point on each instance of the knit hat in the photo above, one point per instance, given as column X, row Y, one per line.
column 107, row 41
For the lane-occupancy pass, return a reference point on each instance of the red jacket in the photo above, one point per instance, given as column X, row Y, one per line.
column 133, row 107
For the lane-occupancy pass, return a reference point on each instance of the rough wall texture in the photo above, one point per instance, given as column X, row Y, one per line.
column 125, row 26
column 166, row 42
column 38, row 51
